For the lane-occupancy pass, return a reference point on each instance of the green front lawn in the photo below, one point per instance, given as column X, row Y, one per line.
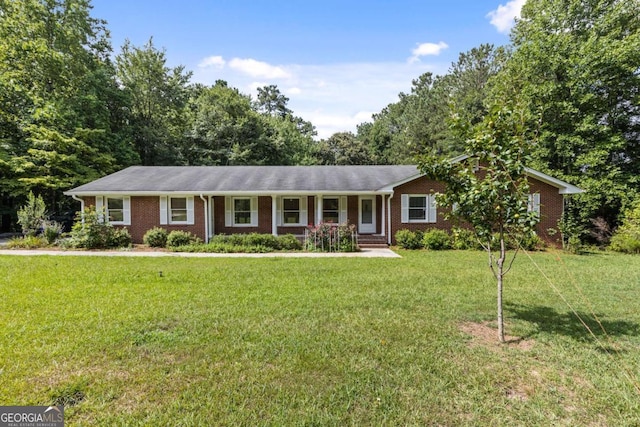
column 340, row 341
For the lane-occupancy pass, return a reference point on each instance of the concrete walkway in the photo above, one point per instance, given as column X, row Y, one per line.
column 364, row 253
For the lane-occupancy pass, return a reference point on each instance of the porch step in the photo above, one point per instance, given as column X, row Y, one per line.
column 371, row 241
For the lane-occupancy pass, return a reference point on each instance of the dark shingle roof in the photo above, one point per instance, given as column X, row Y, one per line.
column 258, row 179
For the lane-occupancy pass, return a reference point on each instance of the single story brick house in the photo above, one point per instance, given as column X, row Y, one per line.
column 210, row 200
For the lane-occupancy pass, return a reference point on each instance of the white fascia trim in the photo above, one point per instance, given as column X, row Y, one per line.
column 563, row 187
column 389, row 188
column 227, row 193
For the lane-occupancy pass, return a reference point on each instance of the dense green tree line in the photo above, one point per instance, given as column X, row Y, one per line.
column 71, row 111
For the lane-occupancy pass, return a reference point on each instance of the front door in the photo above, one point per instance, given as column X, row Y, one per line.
column 367, row 215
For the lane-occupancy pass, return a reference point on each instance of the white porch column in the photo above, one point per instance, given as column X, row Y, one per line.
column 318, row 209
column 384, row 212
column 274, row 215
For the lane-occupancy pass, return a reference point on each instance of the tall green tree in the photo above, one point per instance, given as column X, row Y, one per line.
column 343, row 148
column 157, row 95
column 420, row 120
column 59, row 103
column 494, row 199
column 575, row 63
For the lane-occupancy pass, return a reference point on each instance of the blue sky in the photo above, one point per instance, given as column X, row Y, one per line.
column 337, row 61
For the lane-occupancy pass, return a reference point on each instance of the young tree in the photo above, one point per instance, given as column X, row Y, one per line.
column 490, row 191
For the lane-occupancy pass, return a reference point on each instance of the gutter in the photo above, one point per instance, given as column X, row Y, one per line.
column 74, row 197
column 206, row 219
column 389, row 234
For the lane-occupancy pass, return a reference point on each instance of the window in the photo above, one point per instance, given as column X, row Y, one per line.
column 241, row 212
column 176, row 210
column 534, row 203
column 331, row 210
column 290, row 211
column 418, row 208
column 117, row 209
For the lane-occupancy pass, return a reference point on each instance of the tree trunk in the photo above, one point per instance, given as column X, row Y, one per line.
column 499, row 276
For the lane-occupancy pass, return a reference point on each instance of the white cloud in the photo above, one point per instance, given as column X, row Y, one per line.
column 503, row 17
column 426, row 49
column 333, row 97
column 212, row 61
column 258, row 69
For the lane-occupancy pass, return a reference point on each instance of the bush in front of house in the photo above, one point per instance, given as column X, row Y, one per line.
column 328, row 237
column 156, row 237
column 627, row 237
column 464, row 239
column 179, row 238
column 223, row 248
column 289, row 242
column 408, row 239
column 95, row 233
column 436, row 240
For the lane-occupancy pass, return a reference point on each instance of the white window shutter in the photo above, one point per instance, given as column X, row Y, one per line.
column 303, row 210
column 254, row 211
column 534, row 203
column 433, row 215
column 279, row 208
column 343, row 209
column 190, row 219
column 404, row 205
column 126, row 210
column 163, row 210
column 100, row 208
column 228, row 212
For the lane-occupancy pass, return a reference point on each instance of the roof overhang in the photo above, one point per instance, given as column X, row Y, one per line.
column 227, row 193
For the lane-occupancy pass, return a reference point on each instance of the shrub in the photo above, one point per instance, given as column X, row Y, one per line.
column 464, row 239
column 289, row 242
column 51, row 230
column 327, row 237
column 94, row 233
column 27, row 242
column 181, row 238
column 436, row 240
column 156, row 237
column 532, row 242
column 266, row 240
column 32, row 215
column 225, row 248
column 408, row 239
column 627, row 237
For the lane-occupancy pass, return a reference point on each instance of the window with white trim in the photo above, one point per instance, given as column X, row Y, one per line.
column 331, row 209
column 418, row 208
column 176, row 210
column 117, row 209
column 534, row 203
column 292, row 211
column 241, row 211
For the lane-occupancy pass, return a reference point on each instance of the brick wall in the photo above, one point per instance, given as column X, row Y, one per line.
column 551, row 206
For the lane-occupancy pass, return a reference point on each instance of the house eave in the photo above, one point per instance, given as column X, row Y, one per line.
column 230, row 193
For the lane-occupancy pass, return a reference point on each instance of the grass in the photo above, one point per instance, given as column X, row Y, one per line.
column 320, row 341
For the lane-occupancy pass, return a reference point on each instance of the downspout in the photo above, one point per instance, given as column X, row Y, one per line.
column 74, row 197
column 206, row 218
column 389, row 219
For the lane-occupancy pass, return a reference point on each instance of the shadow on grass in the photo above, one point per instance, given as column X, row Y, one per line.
column 547, row 319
